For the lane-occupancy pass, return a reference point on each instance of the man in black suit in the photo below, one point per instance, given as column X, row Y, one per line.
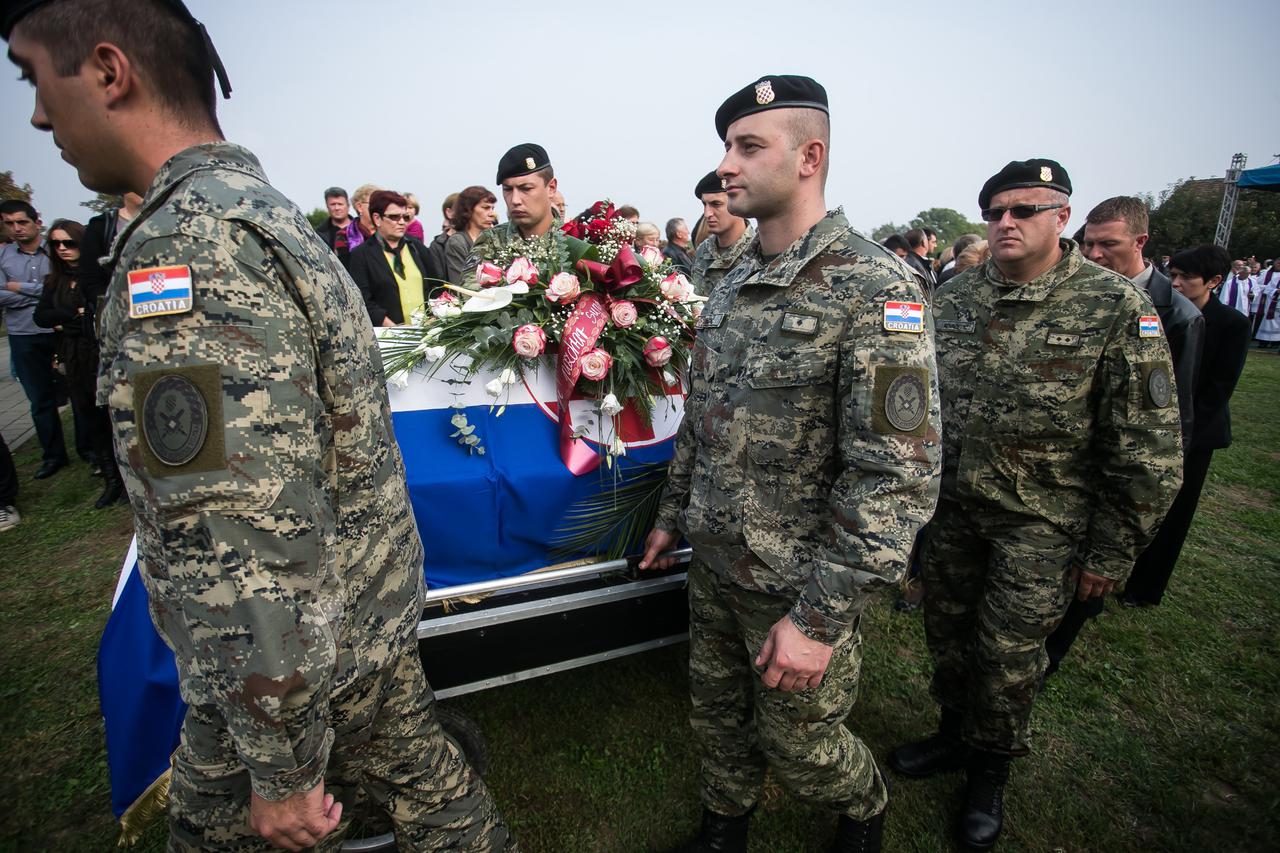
column 391, row 267
column 1115, row 233
column 1196, row 272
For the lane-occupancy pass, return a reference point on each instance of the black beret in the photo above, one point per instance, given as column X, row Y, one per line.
column 1025, row 173
column 771, row 93
column 525, row 159
column 710, row 184
column 14, row 11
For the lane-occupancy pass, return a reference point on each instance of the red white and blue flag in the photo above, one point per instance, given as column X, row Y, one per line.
column 904, row 316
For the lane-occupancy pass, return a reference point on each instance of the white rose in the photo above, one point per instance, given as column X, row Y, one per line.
column 400, row 380
column 508, row 377
column 494, row 388
column 610, row 406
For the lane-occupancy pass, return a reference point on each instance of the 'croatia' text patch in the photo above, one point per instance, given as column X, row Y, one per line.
column 1149, row 327
column 159, row 290
column 904, row 317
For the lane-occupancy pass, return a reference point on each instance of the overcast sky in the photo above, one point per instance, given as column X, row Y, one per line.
column 927, row 99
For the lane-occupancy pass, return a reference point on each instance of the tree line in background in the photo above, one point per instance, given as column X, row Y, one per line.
column 1182, row 216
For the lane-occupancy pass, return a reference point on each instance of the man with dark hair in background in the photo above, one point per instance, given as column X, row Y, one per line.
column 898, row 244
column 275, row 538
column 24, row 264
column 1115, row 232
column 918, row 256
column 334, row 229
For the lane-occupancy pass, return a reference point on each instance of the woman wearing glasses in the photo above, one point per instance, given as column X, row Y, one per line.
column 472, row 214
column 64, row 308
column 390, row 269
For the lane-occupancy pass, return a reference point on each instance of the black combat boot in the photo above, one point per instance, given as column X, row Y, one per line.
column 983, row 813
column 719, row 834
column 861, row 836
column 112, row 485
column 938, row 753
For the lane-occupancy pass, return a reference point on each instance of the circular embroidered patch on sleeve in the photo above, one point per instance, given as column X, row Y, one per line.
column 175, row 420
column 905, row 402
column 1159, row 387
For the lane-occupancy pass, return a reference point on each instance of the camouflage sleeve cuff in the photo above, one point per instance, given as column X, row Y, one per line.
column 304, row 777
column 1108, row 567
column 817, row 625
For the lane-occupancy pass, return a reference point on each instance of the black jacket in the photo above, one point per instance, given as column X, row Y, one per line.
column 329, row 233
column 1184, row 328
column 438, row 268
column 377, row 283
column 680, row 258
column 922, row 266
column 93, row 278
column 1226, row 345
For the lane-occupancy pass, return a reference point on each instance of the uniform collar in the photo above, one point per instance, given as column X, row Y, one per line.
column 733, row 251
column 223, row 156
column 783, row 269
column 1039, row 288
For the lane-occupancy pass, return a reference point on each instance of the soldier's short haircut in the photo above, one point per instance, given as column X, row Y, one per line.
column 803, row 125
column 16, row 205
column 1129, row 210
column 167, row 50
column 896, row 241
column 1205, row 261
column 547, row 173
column 916, row 238
column 673, row 227
column 335, row 192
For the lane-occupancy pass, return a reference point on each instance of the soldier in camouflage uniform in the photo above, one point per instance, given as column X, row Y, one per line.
column 807, row 459
column 528, row 183
column 1061, row 455
column 275, row 536
column 729, row 236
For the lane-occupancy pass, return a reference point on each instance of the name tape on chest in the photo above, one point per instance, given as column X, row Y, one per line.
column 799, row 324
column 963, row 327
column 1149, row 326
column 904, row 317
column 156, row 291
column 1062, row 339
column 707, row 320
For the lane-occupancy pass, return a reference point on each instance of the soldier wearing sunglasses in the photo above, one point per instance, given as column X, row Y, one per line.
column 1061, row 454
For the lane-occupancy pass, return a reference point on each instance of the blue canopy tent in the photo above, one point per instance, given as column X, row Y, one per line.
column 1264, row 178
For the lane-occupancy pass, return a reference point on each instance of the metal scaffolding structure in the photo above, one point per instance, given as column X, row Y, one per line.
column 1230, row 191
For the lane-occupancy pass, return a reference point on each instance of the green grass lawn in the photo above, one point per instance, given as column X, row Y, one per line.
column 1162, row 732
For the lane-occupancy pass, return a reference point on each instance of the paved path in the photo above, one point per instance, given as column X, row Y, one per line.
column 15, row 411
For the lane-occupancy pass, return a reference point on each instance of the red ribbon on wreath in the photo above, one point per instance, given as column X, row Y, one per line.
column 622, row 273
column 581, row 331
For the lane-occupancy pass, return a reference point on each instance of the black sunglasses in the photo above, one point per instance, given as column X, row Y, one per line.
column 63, row 244
column 397, row 217
column 1018, row 211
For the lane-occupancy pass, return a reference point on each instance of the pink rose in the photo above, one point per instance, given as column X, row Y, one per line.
column 657, row 351
column 652, row 256
column 529, row 341
column 623, row 313
column 596, row 364
column 564, row 288
column 488, row 274
column 522, row 269
column 676, row 287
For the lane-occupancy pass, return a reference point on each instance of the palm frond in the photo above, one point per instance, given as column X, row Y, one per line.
column 612, row 523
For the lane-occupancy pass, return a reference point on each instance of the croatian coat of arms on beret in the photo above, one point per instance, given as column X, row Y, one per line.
column 764, row 92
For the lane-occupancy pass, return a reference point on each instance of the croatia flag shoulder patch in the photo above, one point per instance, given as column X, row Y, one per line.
column 155, row 291
column 904, row 317
column 1149, row 326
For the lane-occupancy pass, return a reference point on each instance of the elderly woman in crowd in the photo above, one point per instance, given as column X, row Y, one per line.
column 472, row 213
column 64, row 308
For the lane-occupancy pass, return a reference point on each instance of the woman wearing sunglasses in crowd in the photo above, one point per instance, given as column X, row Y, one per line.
column 64, row 308
column 390, row 269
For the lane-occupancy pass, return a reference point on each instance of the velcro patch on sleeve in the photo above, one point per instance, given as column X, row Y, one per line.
column 1149, row 326
column 904, row 317
column 179, row 416
column 900, row 400
column 1157, row 387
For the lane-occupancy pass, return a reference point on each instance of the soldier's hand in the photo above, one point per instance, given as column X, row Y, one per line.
column 791, row 661
column 1089, row 585
column 659, row 541
column 297, row 822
